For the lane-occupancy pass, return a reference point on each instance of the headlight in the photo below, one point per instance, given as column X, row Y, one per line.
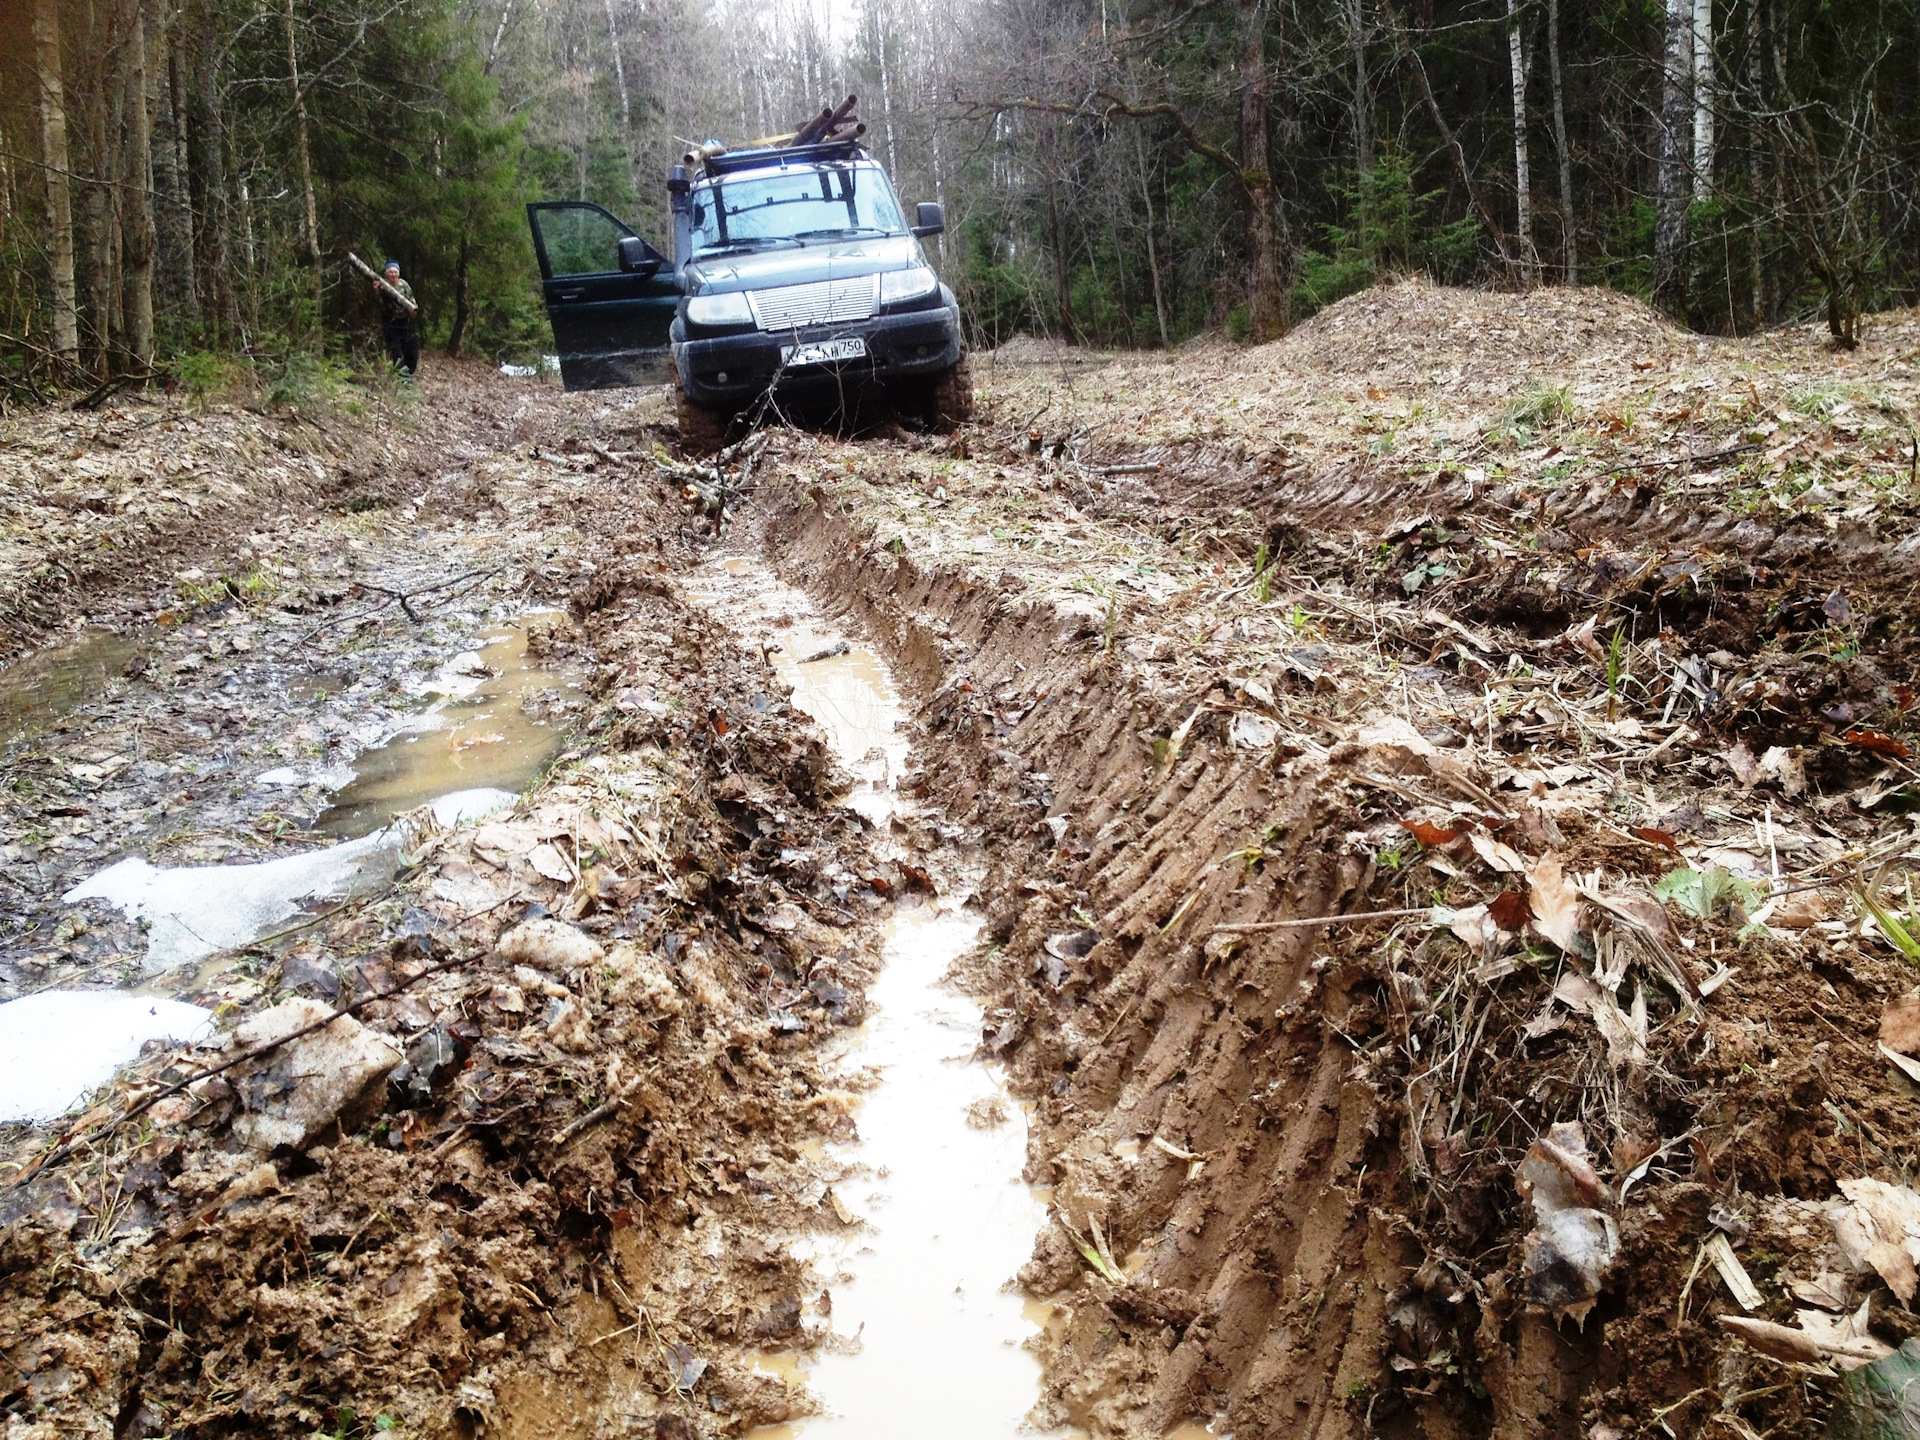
column 728, row 309
column 909, row 284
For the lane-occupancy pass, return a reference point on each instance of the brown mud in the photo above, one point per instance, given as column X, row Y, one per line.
column 1480, row 615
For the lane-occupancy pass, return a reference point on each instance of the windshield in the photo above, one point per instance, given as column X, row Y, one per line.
column 825, row 202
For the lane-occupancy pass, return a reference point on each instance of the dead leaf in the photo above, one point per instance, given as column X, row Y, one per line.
column 1474, row 926
column 1498, row 855
column 1654, row 837
column 1900, row 1025
column 1845, row 1337
column 1799, row 912
column 1429, row 835
column 1746, row 769
column 1510, row 911
column 1556, row 905
column 1879, row 1229
column 1877, row 742
column 547, row 860
column 1777, row 1342
column 1581, row 638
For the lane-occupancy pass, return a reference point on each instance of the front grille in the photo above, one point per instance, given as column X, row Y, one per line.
column 824, row 301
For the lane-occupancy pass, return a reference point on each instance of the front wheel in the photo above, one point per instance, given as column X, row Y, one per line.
column 950, row 397
column 703, row 429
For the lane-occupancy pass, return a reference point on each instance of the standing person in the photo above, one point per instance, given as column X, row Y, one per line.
column 401, row 325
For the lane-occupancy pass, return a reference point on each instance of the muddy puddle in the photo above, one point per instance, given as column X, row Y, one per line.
column 494, row 719
column 497, row 724
column 928, row 1336
column 39, row 689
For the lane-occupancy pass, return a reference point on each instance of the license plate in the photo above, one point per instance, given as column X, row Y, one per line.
column 824, row 352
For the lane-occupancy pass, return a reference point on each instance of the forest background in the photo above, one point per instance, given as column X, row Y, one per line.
column 181, row 180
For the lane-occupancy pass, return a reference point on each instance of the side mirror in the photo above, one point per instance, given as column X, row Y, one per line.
column 638, row 258
column 929, row 219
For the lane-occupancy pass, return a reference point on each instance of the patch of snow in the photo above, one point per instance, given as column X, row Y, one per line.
column 58, row 1045
column 192, row 911
column 474, row 804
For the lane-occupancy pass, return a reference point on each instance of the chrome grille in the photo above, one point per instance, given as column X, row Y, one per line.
column 824, row 301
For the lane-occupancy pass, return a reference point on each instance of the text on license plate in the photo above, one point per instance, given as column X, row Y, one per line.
column 824, row 352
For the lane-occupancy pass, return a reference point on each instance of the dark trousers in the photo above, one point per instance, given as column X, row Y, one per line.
column 403, row 345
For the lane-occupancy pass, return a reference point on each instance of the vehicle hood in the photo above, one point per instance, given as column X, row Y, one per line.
column 797, row 265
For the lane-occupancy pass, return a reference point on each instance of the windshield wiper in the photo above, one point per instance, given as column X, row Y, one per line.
column 843, row 230
column 752, row 242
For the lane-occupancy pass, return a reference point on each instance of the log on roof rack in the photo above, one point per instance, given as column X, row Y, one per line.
column 832, row 127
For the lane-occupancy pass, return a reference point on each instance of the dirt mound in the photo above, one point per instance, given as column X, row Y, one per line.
column 1477, row 341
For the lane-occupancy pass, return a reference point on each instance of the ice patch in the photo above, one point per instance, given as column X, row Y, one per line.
column 58, row 1045
column 474, row 804
column 192, row 911
column 288, row 778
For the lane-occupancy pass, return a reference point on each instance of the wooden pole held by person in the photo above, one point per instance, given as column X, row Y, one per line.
column 381, row 281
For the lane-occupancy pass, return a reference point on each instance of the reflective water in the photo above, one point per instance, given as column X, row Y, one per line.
column 498, row 722
column 930, row 1334
column 40, row 689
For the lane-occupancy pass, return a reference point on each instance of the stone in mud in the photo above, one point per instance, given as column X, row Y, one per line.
column 548, row 945
column 432, row 1056
column 1573, row 1243
column 291, row 1095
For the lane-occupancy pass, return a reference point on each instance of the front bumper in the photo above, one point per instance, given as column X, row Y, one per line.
column 919, row 342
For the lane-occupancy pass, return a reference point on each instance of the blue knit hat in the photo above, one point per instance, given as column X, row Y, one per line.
column 391, row 265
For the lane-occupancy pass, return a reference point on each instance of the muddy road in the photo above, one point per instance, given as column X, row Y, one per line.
column 1355, row 887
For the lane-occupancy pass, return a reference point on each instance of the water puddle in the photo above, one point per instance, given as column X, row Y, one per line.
column 498, row 723
column 931, row 1337
column 57, row 1046
column 40, row 689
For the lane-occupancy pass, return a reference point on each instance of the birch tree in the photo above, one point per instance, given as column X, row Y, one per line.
column 49, row 73
column 1522, row 178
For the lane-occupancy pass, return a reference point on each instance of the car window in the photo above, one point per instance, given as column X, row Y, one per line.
column 821, row 201
column 580, row 240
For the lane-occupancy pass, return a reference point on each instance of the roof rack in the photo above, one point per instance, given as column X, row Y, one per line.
column 762, row 157
column 830, row 135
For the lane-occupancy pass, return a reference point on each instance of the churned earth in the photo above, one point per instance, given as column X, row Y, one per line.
column 1434, row 794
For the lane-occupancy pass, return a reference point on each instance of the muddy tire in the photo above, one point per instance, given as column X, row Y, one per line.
column 703, row 429
column 949, row 402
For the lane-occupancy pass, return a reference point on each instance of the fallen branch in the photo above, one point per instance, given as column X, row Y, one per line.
column 406, row 597
column 592, row 1117
column 1687, row 460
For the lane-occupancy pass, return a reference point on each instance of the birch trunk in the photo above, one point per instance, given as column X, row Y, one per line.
column 1522, row 175
column 1569, row 244
column 173, row 260
column 1704, row 98
column 886, row 95
column 1670, row 210
column 626, row 110
column 49, row 74
column 137, row 232
column 311, row 212
column 98, row 201
column 1362, row 94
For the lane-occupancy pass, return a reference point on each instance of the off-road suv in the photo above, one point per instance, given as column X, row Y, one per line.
column 796, row 274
